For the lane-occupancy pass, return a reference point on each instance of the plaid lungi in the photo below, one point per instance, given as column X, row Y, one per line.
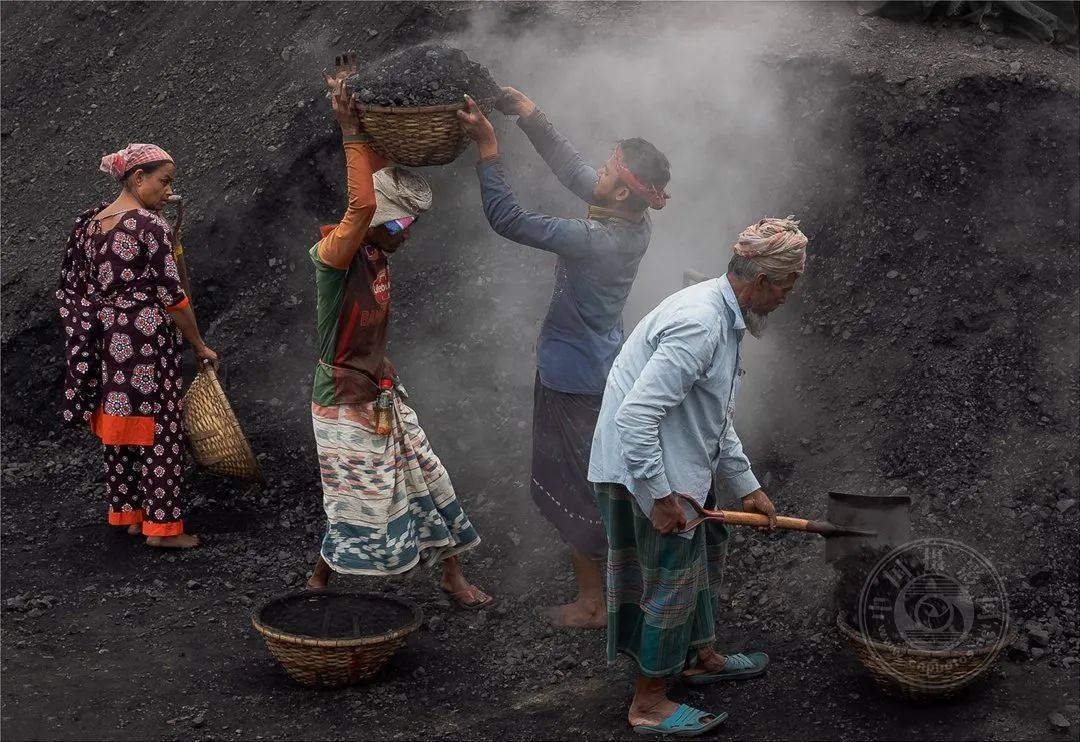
column 661, row 590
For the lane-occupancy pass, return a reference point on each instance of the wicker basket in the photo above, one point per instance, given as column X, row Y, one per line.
column 217, row 443
column 333, row 663
column 919, row 674
column 427, row 135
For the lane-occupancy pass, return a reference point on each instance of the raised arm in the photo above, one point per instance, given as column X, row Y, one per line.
column 338, row 246
column 566, row 237
column 559, row 154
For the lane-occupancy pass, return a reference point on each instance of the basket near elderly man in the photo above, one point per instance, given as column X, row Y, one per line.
column 389, row 502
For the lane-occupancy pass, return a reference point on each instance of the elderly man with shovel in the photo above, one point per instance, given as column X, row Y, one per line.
column 664, row 434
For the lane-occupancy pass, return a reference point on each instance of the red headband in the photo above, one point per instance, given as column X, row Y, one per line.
column 655, row 196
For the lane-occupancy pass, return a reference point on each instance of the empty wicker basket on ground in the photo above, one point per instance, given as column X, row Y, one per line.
column 919, row 674
column 427, row 135
column 217, row 443
column 334, row 662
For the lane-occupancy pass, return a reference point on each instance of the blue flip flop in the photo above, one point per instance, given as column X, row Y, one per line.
column 737, row 667
column 685, row 721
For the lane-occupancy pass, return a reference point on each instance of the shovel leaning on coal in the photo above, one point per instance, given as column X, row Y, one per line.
column 853, row 521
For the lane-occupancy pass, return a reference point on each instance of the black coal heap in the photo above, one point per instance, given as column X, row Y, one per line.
column 426, row 75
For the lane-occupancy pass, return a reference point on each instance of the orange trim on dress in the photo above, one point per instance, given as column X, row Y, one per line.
column 120, row 518
column 117, row 430
column 173, row 528
column 182, row 304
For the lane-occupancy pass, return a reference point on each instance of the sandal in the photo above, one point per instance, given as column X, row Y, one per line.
column 685, row 721
column 471, row 598
column 736, row 667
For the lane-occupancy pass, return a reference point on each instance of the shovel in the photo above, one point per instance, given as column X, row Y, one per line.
column 853, row 521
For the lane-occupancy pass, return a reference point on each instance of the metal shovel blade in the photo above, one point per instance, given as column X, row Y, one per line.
column 888, row 516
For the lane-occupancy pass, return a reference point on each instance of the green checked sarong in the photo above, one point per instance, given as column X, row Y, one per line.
column 661, row 590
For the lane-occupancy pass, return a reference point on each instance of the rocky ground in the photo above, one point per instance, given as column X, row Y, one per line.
column 931, row 350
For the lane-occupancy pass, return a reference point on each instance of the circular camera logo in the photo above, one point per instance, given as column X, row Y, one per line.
column 941, row 598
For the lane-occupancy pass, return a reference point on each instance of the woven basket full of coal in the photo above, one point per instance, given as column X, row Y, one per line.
column 417, row 137
column 214, row 435
column 331, row 638
column 919, row 674
column 408, row 102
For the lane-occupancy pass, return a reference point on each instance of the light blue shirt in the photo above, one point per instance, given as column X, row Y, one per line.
column 666, row 421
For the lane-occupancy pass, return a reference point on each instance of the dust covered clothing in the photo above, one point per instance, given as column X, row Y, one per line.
column 352, row 290
column 667, row 421
column 388, row 499
column 597, row 261
column 562, row 430
column 389, row 502
column 661, row 590
column 124, row 352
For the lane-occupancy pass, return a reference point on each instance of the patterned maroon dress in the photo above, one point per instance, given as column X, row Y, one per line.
column 124, row 352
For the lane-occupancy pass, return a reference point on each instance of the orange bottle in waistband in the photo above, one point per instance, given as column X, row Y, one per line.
column 384, row 407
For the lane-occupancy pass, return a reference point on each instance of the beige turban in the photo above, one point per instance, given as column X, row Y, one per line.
column 776, row 245
column 399, row 193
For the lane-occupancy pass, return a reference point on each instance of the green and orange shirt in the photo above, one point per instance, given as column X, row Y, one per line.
column 352, row 283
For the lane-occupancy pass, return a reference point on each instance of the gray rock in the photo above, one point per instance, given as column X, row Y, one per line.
column 1066, row 504
column 1058, row 721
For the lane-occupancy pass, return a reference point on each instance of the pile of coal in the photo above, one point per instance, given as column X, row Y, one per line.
column 426, row 75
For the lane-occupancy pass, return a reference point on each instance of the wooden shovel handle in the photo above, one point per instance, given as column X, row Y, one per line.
column 738, row 518
column 743, row 518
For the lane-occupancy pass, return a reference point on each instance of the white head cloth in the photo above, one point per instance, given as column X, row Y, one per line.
column 399, row 193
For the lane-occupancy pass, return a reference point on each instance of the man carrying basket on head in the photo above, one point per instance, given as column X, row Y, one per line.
column 597, row 262
column 388, row 499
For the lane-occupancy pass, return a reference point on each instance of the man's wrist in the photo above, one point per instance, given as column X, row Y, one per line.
column 488, row 149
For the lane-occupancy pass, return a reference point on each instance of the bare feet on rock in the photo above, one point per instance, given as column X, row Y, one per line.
column 577, row 615
column 182, row 541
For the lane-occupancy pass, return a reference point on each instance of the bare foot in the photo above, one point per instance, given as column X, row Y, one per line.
column 577, row 615
column 320, row 576
column 182, row 541
column 135, row 529
column 651, row 713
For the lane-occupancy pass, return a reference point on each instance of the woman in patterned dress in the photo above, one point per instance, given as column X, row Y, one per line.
column 125, row 317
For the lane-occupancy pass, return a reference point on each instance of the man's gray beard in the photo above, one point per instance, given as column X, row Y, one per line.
column 755, row 322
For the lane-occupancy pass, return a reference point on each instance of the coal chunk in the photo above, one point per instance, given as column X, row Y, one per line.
column 426, row 75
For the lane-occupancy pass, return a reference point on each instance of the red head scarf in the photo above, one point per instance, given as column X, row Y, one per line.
column 119, row 164
column 653, row 195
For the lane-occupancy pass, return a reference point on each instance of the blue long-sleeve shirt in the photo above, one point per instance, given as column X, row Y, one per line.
column 665, row 424
column 597, row 263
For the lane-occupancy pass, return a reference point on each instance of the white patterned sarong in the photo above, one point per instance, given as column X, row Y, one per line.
column 388, row 499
